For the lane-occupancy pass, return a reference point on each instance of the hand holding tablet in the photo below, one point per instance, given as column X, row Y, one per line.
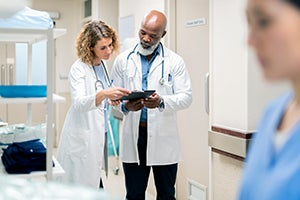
column 138, row 95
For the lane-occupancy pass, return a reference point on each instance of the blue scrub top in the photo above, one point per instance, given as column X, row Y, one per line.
column 271, row 175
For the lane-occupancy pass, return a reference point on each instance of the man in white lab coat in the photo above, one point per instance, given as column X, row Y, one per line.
column 150, row 135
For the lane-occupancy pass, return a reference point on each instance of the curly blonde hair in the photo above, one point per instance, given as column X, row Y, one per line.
column 88, row 37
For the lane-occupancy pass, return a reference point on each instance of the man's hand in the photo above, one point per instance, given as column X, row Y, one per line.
column 151, row 102
column 134, row 105
column 114, row 102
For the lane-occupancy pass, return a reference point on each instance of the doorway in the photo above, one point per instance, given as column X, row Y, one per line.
column 189, row 37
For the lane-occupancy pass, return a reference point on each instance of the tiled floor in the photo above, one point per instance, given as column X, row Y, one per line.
column 114, row 183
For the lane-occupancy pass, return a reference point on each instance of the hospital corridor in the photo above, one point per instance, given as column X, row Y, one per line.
column 145, row 100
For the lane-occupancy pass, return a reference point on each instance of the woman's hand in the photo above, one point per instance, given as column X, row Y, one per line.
column 115, row 93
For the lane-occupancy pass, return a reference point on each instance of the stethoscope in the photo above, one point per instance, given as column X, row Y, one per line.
column 161, row 80
column 98, row 81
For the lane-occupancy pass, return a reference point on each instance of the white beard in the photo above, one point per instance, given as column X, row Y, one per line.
column 146, row 52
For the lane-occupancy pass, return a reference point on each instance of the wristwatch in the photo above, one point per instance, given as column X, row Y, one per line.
column 161, row 105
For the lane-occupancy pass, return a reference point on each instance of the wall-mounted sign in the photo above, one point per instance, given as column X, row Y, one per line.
column 195, row 22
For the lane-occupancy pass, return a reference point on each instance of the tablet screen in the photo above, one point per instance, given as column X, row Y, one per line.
column 138, row 95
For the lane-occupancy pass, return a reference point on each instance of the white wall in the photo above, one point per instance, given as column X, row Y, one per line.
column 239, row 93
column 260, row 92
column 109, row 13
column 138, row 8
column 229, row 65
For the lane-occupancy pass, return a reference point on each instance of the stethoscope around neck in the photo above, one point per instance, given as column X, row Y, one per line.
column 161, row 80
column 98, row 81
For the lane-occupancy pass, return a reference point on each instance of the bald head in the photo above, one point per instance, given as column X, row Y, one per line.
column 153, row 29
column 155, row 20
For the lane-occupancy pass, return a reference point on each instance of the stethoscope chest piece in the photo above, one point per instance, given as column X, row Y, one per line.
column 161, row 81
column 98, row 82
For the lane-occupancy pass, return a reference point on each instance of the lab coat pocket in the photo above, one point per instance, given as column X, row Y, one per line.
column 79, row 143
column 164, row 122
column 169, row 87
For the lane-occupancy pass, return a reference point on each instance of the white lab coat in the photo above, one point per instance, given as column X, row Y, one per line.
column 163, row 139
column 80, row 151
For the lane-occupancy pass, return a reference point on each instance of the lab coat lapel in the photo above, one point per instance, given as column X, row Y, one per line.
column 156, row 63
column 93, row 73
column 137, row 66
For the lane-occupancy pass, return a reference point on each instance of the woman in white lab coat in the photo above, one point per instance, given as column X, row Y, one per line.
column 81, row 146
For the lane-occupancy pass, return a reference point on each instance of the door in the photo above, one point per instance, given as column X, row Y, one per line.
column 192, row 43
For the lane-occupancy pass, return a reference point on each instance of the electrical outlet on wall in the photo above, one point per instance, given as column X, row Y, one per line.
column 196, row 191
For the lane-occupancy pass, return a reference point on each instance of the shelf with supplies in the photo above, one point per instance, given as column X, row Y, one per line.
column 30, row 37
column 15, row 133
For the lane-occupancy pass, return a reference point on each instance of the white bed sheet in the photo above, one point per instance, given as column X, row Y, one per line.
column 28, row 18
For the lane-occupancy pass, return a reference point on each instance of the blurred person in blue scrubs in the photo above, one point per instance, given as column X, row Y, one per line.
column 272, row 168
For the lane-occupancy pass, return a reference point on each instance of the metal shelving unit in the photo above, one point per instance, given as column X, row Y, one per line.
column 31, row 36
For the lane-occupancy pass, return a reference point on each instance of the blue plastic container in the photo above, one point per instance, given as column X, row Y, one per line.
column 23, row 91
